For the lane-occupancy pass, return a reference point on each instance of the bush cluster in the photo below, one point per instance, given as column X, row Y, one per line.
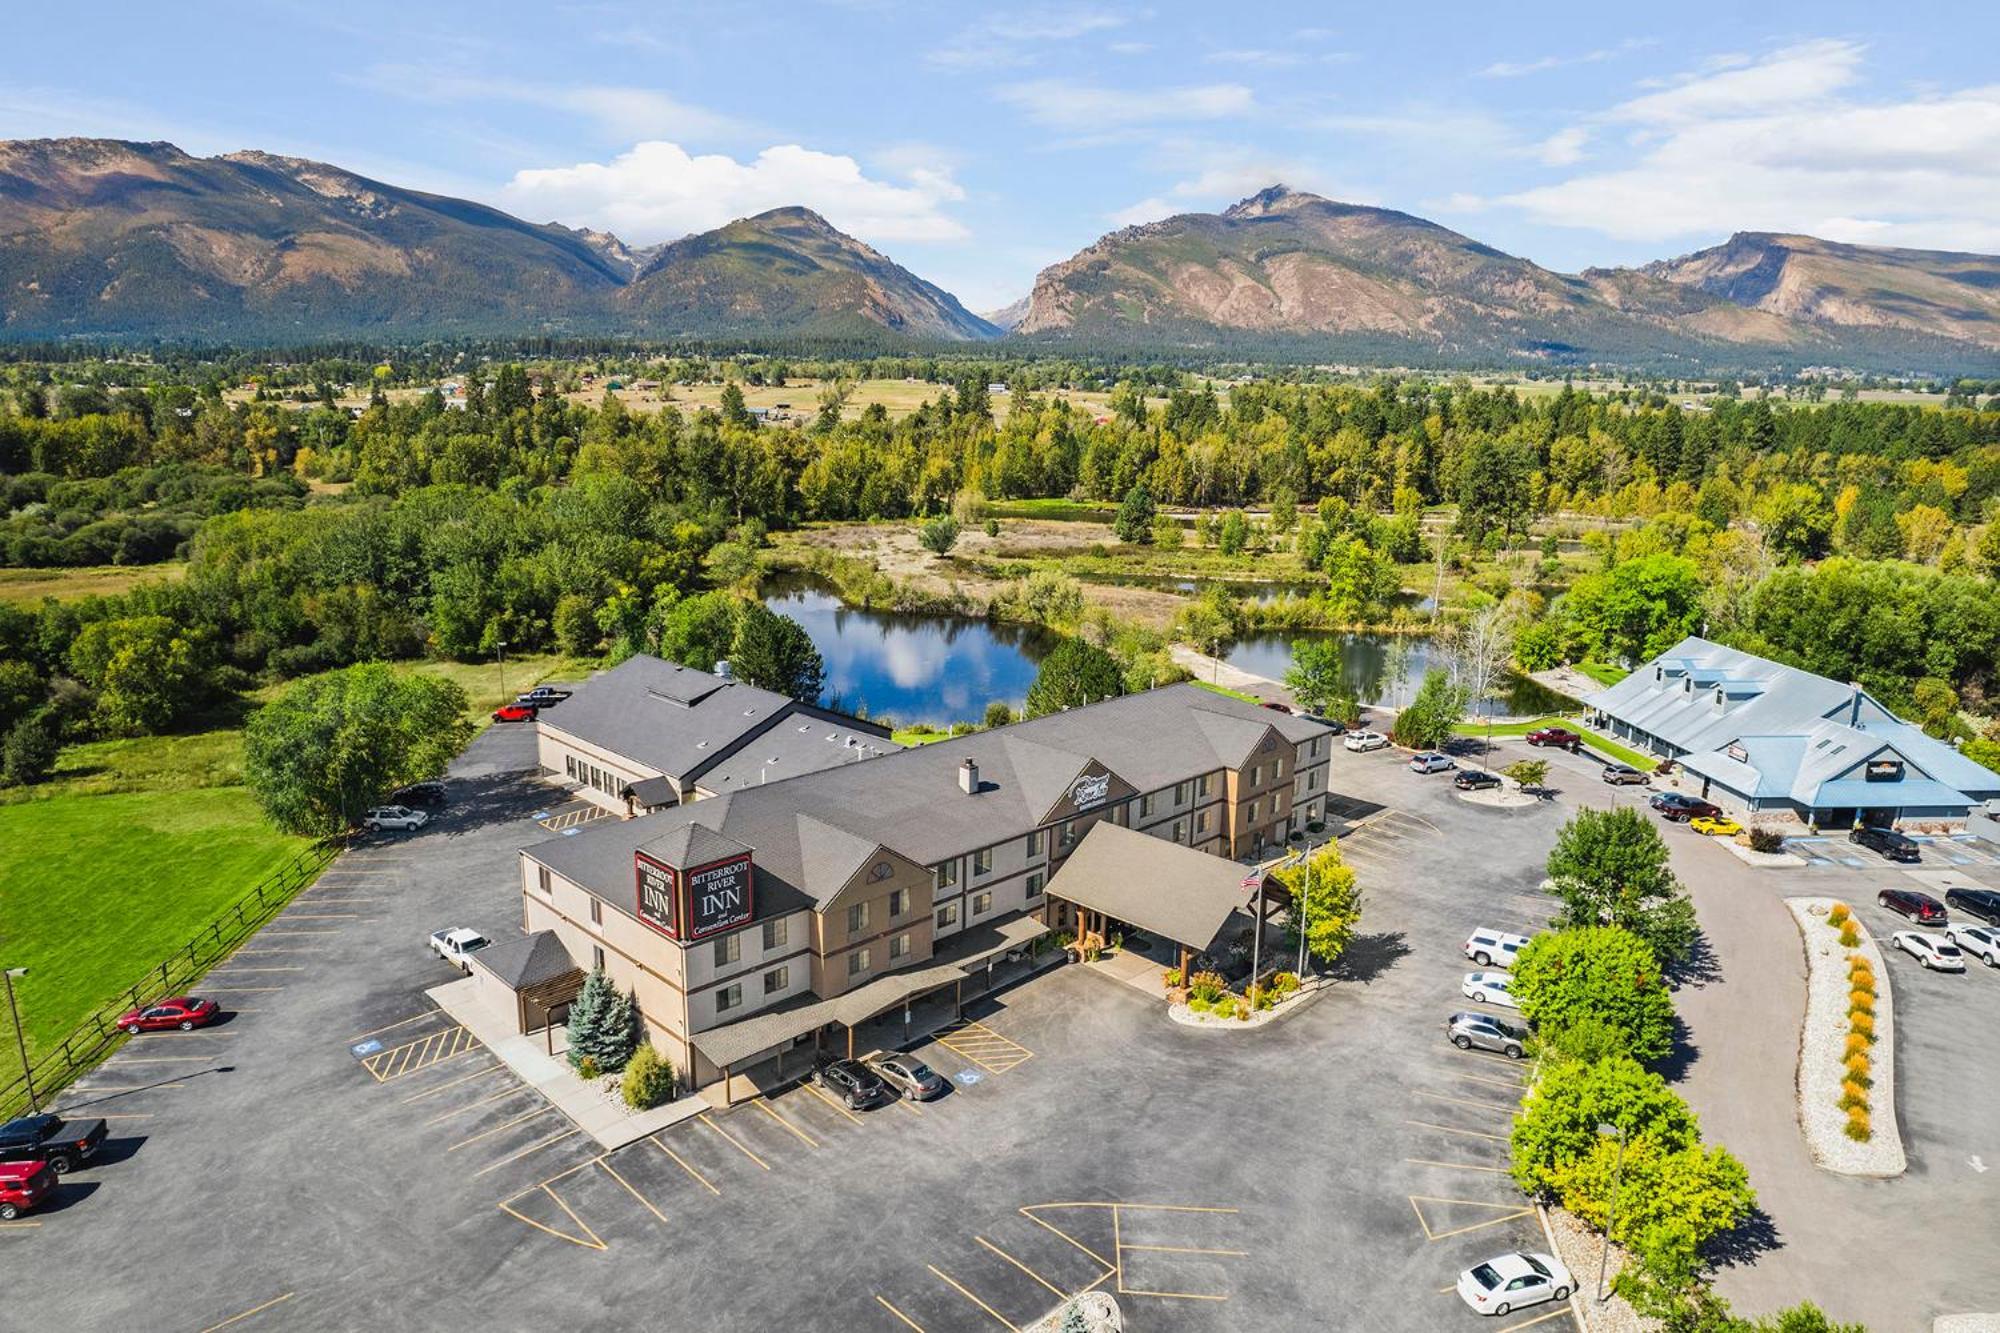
column 1860, row 1031
column 1208, row 986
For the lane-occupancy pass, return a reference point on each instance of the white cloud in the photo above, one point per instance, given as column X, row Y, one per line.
column 1783, row 144
column 657, row 191
column 1511, row 69
column 1274, row 58
column 1002, row 41
column 1061, row 104
column 1564, row 148
column 1234, row 173
column 622, row 112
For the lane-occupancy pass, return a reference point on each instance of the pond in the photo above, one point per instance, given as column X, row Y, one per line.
column 911, row 668
column 1243, row 590
column 1384, row 669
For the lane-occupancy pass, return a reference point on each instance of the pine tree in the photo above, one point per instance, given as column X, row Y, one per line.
column 586, row 1016
column 617, row 1033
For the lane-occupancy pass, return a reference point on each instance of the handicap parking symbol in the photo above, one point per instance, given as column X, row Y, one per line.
column 364, row 1048
column 968, row 1077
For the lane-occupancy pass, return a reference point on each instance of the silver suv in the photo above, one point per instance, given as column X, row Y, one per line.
column 1467, row 1031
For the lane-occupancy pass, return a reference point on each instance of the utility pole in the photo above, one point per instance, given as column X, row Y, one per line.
column 1617, row 1174
column 1302, row 906
column 7, row 976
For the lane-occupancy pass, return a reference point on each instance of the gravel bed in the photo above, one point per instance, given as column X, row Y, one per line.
column 1580, row 1249
column 1820, row 1044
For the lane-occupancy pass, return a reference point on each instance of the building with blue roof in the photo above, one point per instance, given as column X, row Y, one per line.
column 1762, row 737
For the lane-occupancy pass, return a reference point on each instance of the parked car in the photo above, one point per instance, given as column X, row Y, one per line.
column 1982, row 942
column 514, row 713
column 457, row 947
column 1510, row 1281
column 1489, row 988
column 1487, row 947
column 1475, row 779
column 1935, row 952
column 63, row 1144
column 1982, row 903
column 1362, row 741
column 419, row 793
column 1885, row 842
column 1560, row 737
column 395, row 817
column 1715, row 826
column 1275, row 706
column 910, row 1076
column 1430, row 761
column 22, row 1186
column 1918, row 907
column 1623, row 775
column 1338, row 728
column 184, row 1012
column 1680, row 808
column 1471, row 1030
column 854, row 1083
column 542, row 696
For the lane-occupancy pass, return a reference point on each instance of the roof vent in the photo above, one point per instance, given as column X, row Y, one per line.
column 968, row 777
column 722, row 671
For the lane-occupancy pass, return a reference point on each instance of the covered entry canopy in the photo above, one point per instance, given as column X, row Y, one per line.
column 1159, row 886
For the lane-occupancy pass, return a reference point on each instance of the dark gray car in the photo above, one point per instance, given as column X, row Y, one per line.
column 1470, row 1031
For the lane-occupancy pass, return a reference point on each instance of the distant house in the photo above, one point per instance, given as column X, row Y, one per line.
column 1763, row 737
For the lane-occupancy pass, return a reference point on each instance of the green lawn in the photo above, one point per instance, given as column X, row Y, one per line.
column 97, row 888
column 1224, row 689
column 1598, row 742
column 1603, row 672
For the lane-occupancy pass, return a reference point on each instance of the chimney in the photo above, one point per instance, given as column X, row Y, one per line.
column 722, row 671
column 968, row 778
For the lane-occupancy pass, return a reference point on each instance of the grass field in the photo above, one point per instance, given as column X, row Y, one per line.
column 1602, row 672
column 31, row 585
column 1213, row 688
column 131, row 850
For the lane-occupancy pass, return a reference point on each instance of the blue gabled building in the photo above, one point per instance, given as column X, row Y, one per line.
column 1762, row 737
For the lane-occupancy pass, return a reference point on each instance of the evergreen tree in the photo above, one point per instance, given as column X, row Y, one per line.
column 585, row 1025
column 1135, row 516
column 29, row 754
column 1074, row 674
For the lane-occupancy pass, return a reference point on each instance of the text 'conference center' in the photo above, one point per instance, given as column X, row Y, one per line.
column 784, row 867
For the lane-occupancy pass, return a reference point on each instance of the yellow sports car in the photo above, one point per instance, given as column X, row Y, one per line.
column 1720, row 826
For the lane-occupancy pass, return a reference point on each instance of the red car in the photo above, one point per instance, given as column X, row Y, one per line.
column 1557, row 736
column 22, row 1186
column 514, row 713
column 184, row 1012
column 1918, row 907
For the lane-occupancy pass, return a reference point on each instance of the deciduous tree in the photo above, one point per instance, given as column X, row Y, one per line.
column 1591, row 987
column 1611, row 867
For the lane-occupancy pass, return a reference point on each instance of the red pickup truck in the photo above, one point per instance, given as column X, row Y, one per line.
column 1559, row 737
column 22, row 1186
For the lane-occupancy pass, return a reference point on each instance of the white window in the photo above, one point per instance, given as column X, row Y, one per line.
column 1035, row 843
column 1180, row 793
column 775, row 932
column 857, row 918
column 982, row 861
column 1035, row 884
column 1252, row 815
column 1201, row 786
column 947, row 915
column 1256, row 772
column 899, row 902
column 947, row 874
column 982, row 903
column 1201, row 822
column 1277, row 769
column 542, row 880
column 777, row 979
column 1312, row 780
column 569, row 765
column 1145, row 806
column 729, row 997
column 728, row 949
column 596, row 910
column 597, row 957
column 857, row 962
column 1180, row 830
column 899, row 946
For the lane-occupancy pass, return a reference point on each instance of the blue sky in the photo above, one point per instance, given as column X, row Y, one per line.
column 977, row 144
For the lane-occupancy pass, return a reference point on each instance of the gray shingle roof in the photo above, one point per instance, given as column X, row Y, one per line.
column 528, row 961
column 1157, row 885
column 910, row 802
column 691, row 845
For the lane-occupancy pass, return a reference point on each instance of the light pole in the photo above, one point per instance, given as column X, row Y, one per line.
column 1617, row 1173
column 21, row 1038
column 1299, row 906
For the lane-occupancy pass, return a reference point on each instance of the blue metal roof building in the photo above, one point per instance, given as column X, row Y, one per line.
column 1762, row 736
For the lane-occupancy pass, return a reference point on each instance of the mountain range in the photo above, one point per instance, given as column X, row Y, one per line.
column 107, row 237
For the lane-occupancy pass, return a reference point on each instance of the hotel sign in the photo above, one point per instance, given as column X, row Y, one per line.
column 690, row 904
column 1884, row 770
column 1087, row 792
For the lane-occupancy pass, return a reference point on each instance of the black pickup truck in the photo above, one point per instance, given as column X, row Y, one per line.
column 63, row 1144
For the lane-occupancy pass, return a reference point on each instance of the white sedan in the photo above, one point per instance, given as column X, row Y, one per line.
column 395, row 817
column 1982, row 942
column 1489, row 988
column 1362, row 741
column 1509, row 1281
column 1934, row 951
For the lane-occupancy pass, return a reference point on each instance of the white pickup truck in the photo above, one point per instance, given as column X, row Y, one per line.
column 457, row 946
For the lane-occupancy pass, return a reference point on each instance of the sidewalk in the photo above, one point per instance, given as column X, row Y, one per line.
column 607, row 1121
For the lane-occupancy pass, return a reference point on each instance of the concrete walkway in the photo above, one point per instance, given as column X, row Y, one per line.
column 1215, row 671
column 607, row 1121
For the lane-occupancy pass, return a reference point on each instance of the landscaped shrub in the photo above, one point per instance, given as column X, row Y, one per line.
column 1838, row 913
column 1172, row 977
column 1863, row 1024
column 1852, row 1095
column 1284, row 983
column 1209, row 986
column 649, row 1079
column 1857, row 1071
column 1197, row 1004
column 1856, row 1045
column 1860, row 1002
column 1857, row 1124
column 1861, row 982
column 586, row 1069
column 1766, row 839
column 1849, row 936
